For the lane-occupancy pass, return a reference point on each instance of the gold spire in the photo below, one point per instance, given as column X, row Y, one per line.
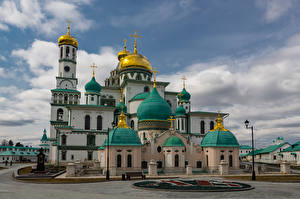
column 68, row 21
column 154, row 76
column 125, row 41
column 93, row 66
column 122, row 123
column 219, row 123
column 171, row 119
column 180, row 95
column 135, row 37
column 183, row 81
column 121, row 91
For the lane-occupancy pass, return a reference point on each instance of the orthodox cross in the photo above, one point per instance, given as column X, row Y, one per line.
column 171, row 119
column 69, row 22
column 135, row 37
column 180, row 95
column 154, row 76
column 183, row 81
column 93, row 66
column 125, row 41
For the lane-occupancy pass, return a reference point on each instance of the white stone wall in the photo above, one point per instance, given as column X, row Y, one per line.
column 172, row 98
column 195, row 123
column 78, row 117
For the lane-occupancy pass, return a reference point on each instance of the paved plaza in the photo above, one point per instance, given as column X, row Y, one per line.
column 9, row 188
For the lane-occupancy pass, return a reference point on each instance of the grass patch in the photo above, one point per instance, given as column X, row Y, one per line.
column 268, row 178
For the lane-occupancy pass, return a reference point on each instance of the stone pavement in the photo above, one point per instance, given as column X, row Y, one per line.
column 9, row 188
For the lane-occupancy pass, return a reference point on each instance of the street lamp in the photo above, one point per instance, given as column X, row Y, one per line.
column 107, row 159
column 251, row 127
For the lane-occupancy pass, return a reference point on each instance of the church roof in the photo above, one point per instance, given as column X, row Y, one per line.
column 173, row 141
column 180, row 111
column 140, row 96
column 219, row 136
column 93, row 86
column 185, row 96
column 154, row 107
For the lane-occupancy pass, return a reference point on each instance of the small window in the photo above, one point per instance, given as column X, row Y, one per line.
column 159, row 149
column 129, row 161
column 60, row 114
column 159, row 164
column 202, row 127
column 146, row 89
column 176, row 160
column 90, row 155
column 73, row 53
column 132, row 124
column 87, row 125
column 72, row 157
column 99, row 122
column 63, row 140
column 92, row 98
column 63, row 155
column 212, row 125
column 199, row 164
column 144, row 165
column 61, row 52
column 67, row 51
column 230, row 161
column 119, row 160
column 222, row 157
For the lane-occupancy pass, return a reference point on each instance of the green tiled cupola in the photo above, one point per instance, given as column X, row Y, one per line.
column 173, row 141
column 154, row 107
column 180, row 111
column 93, row 86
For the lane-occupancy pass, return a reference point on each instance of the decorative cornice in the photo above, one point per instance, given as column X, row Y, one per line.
column 67, row 60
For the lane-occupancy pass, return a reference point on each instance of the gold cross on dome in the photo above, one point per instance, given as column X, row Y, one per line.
column 69, row 22
column 135, row 37
column 171, row 119
column 154, row 76
column 180, row 95
column 93, row 66
column 183, row 81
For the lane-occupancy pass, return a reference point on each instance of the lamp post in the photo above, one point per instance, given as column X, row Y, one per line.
column 107, row 158
column 251, row 127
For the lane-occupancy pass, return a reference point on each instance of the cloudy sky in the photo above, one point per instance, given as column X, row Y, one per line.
column 242, row 57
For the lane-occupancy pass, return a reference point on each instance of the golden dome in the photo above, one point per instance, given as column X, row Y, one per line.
column 124, row 52
column 67, row 39
column 135, row 60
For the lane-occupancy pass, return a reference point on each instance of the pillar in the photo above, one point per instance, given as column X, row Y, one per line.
column 152, row 170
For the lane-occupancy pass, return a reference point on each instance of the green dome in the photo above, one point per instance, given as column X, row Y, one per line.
column 219, row 138
column 121, row 107
column 173, row 141
column 154, row 107
column 140, row 96
column 44, row 137
column 123, row 137
column 180, row 111
column 93, row 86
column 186, row 96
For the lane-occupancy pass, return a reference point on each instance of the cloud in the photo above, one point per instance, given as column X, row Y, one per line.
column 263, row 88
column 42, row 16
column 1, row 72
column 150, row 15
column 274, row 9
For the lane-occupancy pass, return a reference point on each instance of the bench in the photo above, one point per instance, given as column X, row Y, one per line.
column 135, row 174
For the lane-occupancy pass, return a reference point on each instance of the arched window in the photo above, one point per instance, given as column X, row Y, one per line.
column 67, row 51
column 63, row 140
column 202, row 127
column 146, row 89
column 87, row 122
column 207, row 160
column 63, row 155
column 60, row 114
column 66, row 99
column 144, row 136
column 61, row 52
column 222, row 157
column 170, row 104
column 176, row 160
column 144, row 165
column 212, row 125
column 138, row 77
column 178, row 123
column 73, row 53
column 132, row 124
column 182, row 124
column 119, row 160
column 230, row 161
column 99, row 122
column 159, row 149
column 129, row 161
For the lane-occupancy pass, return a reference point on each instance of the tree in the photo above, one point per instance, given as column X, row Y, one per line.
column 10, row 143
column 4, row 142
column 19, row 144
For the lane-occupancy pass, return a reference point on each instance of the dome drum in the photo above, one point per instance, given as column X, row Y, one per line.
column 154, row 125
